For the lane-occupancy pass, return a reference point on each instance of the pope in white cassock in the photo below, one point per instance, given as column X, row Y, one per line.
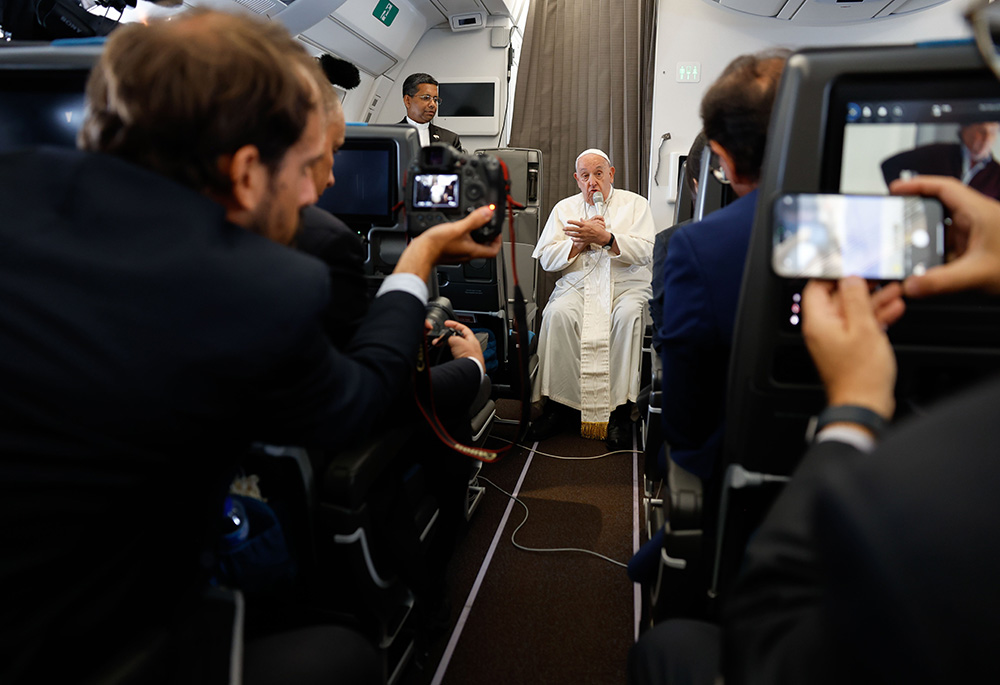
column 590, row 341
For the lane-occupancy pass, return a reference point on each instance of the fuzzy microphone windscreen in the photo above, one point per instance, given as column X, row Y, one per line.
column 340, row 72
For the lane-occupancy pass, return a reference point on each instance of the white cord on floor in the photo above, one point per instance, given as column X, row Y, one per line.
column 542, row 549
column 556, row 456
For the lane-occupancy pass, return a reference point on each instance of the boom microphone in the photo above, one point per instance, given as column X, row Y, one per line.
column 598, row 198
column 340, row 72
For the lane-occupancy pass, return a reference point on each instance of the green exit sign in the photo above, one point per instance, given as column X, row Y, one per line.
column 385, row 12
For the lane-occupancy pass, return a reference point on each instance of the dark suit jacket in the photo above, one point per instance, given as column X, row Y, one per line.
column 326, row 237
column 442, row 135
column 944, row 159
column 323, row 235
column 702, row 277
column 146, row 342
column 660, row 250
column 879, row 568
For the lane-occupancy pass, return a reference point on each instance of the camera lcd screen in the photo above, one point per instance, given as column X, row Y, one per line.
column 435, row 191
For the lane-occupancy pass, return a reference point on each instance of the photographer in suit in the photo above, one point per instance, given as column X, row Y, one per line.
column 871, row 564
column 420, row 97
column 151, row 334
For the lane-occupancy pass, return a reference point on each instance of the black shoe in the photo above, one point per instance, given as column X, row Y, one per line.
column 554, row 420
column 619, row 431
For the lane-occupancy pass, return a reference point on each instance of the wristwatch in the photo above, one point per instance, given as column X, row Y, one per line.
column 610, row 243
column 849, row 413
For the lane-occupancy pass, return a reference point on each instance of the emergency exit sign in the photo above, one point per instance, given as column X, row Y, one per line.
column 688, row 72
column 385, row 12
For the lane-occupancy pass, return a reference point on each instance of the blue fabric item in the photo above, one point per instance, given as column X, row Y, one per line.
column 642, row 567
column 490, row 353
column 262, row 560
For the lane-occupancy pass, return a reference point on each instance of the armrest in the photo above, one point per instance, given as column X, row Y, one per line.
column 351, row 472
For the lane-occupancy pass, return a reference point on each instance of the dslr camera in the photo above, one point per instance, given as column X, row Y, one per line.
column 444, row 184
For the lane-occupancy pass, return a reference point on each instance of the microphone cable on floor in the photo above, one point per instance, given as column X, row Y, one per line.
column 544, row 549
column 556, row 456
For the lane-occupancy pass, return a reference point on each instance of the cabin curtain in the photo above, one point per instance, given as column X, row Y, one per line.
column 586, row 80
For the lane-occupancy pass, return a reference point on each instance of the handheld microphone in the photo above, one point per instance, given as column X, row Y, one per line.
column 599, row 202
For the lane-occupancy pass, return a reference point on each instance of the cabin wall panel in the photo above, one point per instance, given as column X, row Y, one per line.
column 450, row 55
column 689, row 31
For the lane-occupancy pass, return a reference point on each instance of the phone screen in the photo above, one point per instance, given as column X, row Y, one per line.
column 435, row 191
column 884, row 237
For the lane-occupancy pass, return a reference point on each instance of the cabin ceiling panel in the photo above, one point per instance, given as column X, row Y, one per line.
column 907, row 6
column 763, row 8
column 834, row 12
column 340, row 40
column 450, row 7
column 826, row 12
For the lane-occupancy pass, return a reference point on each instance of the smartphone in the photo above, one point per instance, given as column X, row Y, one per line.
column 879, row 237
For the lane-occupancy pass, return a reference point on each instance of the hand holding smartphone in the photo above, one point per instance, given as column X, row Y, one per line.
column 877, row 237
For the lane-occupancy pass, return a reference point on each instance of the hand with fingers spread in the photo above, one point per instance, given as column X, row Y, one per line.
column 447, row 242
column 844, row 329
column 974, row 237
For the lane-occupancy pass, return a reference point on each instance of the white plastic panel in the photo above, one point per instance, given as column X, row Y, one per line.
column 397, row 39
column 339, row 40
column 764, row 8
column 915, row 6
column 826, row 12
column 832, row 12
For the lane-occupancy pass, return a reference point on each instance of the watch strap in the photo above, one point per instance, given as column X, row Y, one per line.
column 849, row 413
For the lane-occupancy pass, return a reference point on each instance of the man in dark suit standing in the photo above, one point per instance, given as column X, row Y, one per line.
column 151, row 335
column 420, row 97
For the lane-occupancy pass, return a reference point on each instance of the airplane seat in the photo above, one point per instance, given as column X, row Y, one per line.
column 482, row 414
column 370, row 172
column 497, row 314
column 673, row 498
column 360, row 524
column 828, row 134
column 205, row 648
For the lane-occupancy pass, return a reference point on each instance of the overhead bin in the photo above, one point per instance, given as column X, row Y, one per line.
column 329, row 35
column 826, row 12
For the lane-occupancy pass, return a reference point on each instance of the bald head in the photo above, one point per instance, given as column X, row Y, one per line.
column 336, row 129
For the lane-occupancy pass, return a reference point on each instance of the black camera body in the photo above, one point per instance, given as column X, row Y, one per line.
column 444, row 184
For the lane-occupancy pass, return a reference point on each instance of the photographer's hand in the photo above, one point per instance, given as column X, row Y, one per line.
column 974, row 233
column 464, row 343
column 843, row 328
column 445, row 243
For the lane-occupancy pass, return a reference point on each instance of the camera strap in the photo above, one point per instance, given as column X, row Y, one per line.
column 423, row 388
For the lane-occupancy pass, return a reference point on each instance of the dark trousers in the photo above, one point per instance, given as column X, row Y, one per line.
column 676, row 652
column 320, row 655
